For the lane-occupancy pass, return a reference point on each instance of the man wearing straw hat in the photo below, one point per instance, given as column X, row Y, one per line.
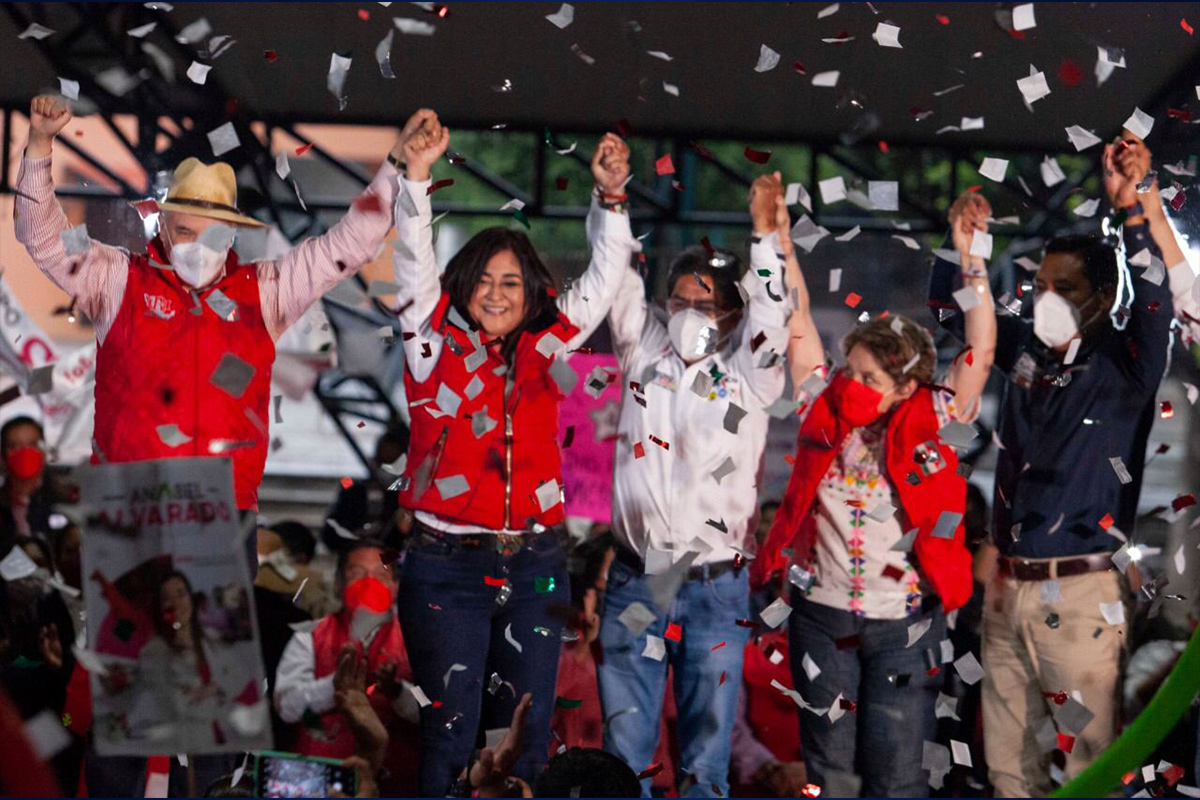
column 186, row 332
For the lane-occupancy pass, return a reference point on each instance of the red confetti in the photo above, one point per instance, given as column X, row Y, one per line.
column 810, row 790
column 677, row 186
column 1183, row 501
column 708, row 248
column 970, row 359
column 1128, row 777
column 361, row 425
column 942, row 18
column 673, row 633
column 443, row 11
column 893, row 572
column 1165, row 409
column 1173, row 774
column 490, row 581
column 718, row 646
column 1066, row 743
column 661, row 443
column 853, row 299
column 848, row 705
column 747, row 623
column 932, row 671
column 651, row 771
column 1183, row 23
column 363, row 14
column 975, row 188
column 883, row 146
column 270, row 55
column 442, row 184
column 757, row 156
column 560, row 183
column 664, row 166
column 1177, row 201
column 639, row 450
column 1180, row 114
column 303, row 149
column 799, row 67
column 1019, row 35
column 346, row 482
column 1070, row 73
column 722, row 681
column 146, row 207
column 437, row 704
column 369, row 204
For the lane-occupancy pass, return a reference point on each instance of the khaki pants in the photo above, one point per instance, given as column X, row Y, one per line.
column 1024, row 657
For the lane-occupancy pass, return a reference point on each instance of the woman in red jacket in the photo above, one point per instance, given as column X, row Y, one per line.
column 485, row 373
column 870, row 532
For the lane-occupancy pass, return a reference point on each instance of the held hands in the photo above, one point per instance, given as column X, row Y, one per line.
column 610, row 164
column 1126, row 163
column 969, row 213
column 422, row 142
column 768, row 210
column 47, row 116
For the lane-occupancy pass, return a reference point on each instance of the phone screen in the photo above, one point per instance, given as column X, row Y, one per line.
column 298, row 777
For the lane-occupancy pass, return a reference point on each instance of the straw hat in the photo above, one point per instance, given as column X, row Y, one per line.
column 206, row 190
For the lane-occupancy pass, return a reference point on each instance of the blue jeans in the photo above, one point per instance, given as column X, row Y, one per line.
column 706, row 611
column 882, row 740
column 450, row 617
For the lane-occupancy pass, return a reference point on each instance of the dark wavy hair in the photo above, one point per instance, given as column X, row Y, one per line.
column 466, row 269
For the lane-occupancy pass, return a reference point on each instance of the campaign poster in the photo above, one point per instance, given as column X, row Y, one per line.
column 587, row 422
column 175, row 664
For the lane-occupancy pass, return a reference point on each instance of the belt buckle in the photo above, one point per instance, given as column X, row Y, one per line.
column 509, row 544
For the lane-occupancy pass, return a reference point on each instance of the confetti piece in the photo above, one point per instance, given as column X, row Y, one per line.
column 198, row 73
column 1139, row 123
column 659, row 54
column 887, row 35
column 828, row 11
column 918, row 629
column 981, row 245
column 1114, row 613
column 1183, row 23
column 832, row 190
column 943, row 19
column 563, row 17
column 1081, row 138
column 68, row 88
column 35, row 31
column 826, row 79
column 774, row 614
column 452, row 486
column 172, row 436
column 141, row 31
column 436, row 185
column 768, row 59
column 16, row 565
column 1023, row 18
column 1033, row 87
column 75, row 240
column 223, row 138
column 907, row 241
column 673, row 633
column 232, row 375
column 853, row 299
column 46, row 734
column 884, row 196
column 413, row 27
column 636, row 618
column 757, row 156
column 994, row 168
column 664, row 166
column 968, row 669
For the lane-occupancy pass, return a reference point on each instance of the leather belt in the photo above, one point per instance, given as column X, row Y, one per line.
column 1024, row 569
column 502, row 543
column 703, row 572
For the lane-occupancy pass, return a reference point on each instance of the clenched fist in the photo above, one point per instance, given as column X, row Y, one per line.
column 47, row 116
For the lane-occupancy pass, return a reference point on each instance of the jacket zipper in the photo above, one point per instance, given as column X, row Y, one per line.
column 508, row 446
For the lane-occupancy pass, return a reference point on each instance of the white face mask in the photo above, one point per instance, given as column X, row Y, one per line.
column 196, row 263
column 693, row 335
column 1055, row 319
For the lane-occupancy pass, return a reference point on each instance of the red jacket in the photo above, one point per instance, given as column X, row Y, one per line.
column 155, row 367
column 503, row 467
column 334, row 739
column 912, row 441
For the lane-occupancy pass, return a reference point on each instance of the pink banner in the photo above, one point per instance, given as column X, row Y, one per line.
column 588, row 433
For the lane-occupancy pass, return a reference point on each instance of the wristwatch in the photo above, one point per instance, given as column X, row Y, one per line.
column 397, row 163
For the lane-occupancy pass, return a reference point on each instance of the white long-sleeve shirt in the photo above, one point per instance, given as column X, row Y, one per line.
column 584, row 303
column 665, row 495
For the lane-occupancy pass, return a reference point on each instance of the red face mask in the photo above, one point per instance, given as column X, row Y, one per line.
column 25, row 463
column 369, row 593
column 856, row 404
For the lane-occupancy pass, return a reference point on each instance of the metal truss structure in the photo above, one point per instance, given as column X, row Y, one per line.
column 94, row 45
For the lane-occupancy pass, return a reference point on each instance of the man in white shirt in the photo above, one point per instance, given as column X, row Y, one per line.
column 693, row 426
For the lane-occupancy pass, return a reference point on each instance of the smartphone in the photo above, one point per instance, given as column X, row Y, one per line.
column 294, row 775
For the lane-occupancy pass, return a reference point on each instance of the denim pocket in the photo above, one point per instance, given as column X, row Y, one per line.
column 729, row 589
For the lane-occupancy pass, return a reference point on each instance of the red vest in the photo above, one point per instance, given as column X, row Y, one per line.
column 503, row 469
column 770, row 713
column 944, row 563
column 335, row 739
column 154, row 368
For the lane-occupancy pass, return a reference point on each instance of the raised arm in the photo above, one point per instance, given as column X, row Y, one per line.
column 588, row 299
column 415, row 266
column 294, row 282
column 1132, row 159
column 95, row 275
column 1126, row 165
column 805, row 353
column 766, row 326
column 968, row 373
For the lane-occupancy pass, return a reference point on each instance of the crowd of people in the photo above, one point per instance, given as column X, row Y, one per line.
column 873, row 631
